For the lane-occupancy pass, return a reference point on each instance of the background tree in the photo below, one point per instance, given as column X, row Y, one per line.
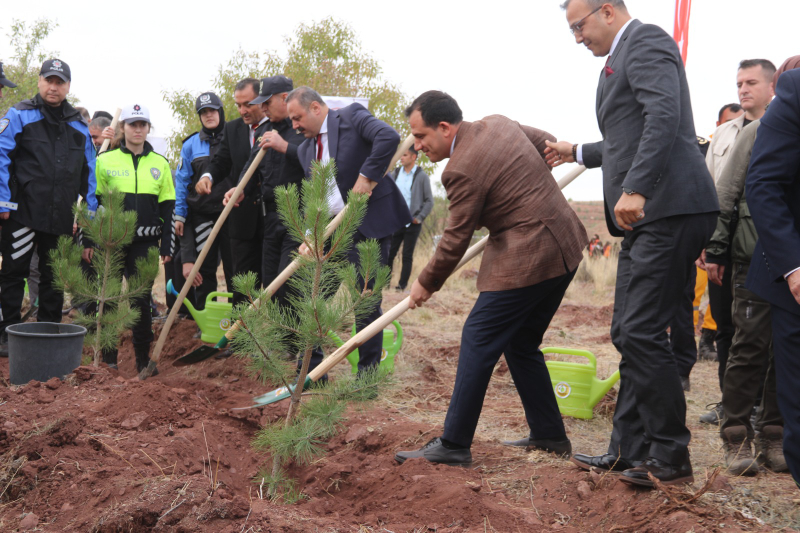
column 326, row 56
column 24, row 64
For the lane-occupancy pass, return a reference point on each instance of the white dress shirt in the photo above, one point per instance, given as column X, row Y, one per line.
column 335, row 201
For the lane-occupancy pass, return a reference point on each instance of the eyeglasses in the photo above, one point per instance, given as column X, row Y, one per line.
column 578, row 26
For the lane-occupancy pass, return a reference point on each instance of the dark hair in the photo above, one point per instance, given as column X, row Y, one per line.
column 251, row 82
column 412, row 151
column 304, row 96
column 734, row 108
column 436, row 107
column 766, row 64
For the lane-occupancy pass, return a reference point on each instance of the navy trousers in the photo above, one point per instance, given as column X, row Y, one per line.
column 786, row 344
column 513, row 323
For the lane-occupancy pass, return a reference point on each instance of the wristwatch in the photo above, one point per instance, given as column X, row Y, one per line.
column 628, row 191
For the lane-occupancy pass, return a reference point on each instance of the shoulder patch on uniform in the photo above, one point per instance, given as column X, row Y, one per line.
column 4, row 124
column 155, row 173
column 702, row 140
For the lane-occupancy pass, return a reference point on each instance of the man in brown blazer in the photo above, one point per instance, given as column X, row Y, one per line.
column 497, row 178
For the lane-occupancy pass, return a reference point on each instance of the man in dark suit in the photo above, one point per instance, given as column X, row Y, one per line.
column 497, row 178
column 773, row 196
column 363, row 147
column 245, row 224
column 661, row 198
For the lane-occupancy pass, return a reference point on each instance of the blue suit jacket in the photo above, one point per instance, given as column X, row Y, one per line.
column 362, row 144
column 773, row 195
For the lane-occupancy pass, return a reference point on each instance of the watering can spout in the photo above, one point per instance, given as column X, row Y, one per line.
column 601, row 387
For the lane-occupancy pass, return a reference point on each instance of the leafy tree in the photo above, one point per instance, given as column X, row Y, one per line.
column 24, row 64
column 326, row 297
column 111, row 229
column 325, row 55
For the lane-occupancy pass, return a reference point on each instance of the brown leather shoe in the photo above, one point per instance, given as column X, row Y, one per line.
column 666, row 473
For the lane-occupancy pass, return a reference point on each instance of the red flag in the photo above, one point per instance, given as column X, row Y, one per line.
column 683, row 9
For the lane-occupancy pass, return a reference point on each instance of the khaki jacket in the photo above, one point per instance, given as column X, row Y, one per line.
column 721, row 145
column 497, row 178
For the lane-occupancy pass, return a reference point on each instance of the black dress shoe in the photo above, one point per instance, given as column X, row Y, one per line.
column 435, row 452
column 666, row 473
column 606, row 462
column 562, row 447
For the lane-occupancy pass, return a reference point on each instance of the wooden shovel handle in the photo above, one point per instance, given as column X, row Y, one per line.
column 203, row 253
column 114, row 122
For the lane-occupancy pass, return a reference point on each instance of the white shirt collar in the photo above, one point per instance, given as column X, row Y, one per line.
column 453, row 145
column 618, row 36
column 324, row 127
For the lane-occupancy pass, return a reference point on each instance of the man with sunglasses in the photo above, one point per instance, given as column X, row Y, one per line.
column 660, row 197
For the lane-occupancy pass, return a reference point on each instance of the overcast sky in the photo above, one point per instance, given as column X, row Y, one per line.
column 508, row 57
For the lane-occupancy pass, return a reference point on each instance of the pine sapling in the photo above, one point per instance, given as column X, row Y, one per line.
column 326, row 294
column 109, row 314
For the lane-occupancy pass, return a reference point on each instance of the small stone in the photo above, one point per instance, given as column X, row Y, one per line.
column 120, row 379
column 66, row 506
column 121, row 491
column 160, row 450
column 584, row 490
column 145, row 445
column 136, row 421
column 597, row 478
column 355, row 433
column 74, row 486
column 104, row 495
column 53, row 383
column 232, row 470
column 182, row 392
column 678, row 516
column 233, row 380
column 30, row 521
column 415, row 479
column 9, row 425
column 181, row 411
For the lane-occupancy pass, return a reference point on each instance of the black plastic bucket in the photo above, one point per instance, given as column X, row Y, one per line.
column 43, row 350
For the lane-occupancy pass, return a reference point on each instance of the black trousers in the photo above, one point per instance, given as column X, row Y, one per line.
column 220, row 250
column 17, row 244
column 681, row 330
column 513, row 323
column 143, row 328
column 785, row 342
column 749, row 356
column 407, row 237
column 720, row 300
column 655, row 263
column 276, row 250
column 247, row 257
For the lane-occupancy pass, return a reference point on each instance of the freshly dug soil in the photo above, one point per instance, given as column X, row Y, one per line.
column 104, row 452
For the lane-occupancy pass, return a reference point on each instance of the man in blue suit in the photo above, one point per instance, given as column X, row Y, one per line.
column 362, row 147
column 773, row 195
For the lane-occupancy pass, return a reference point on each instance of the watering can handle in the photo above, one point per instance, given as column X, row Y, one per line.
column 398, row 338
column 569, row 351
column 171, row 288
column 216, row 294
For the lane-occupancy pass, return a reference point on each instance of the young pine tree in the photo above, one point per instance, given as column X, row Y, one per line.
column 327, row 294
column 111, row 229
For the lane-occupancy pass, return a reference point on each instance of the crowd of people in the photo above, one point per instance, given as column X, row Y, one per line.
column 680, row 209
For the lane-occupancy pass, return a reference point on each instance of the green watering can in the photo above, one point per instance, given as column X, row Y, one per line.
column 215, row 319
column 575, row 385
column 392, row 342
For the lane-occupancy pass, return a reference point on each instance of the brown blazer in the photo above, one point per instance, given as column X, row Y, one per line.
column 497, row 178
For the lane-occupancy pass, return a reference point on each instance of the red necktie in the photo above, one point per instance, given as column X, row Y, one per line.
column 319, row 147
column 253, row 127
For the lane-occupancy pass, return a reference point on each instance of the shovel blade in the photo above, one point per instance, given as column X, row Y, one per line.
column 200, row 354
column 278, row 394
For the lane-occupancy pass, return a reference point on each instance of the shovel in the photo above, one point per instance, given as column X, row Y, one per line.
column 151, row 366
column 204, row 352
column 378, row 326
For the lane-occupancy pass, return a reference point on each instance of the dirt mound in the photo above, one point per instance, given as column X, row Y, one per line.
column 102, row 452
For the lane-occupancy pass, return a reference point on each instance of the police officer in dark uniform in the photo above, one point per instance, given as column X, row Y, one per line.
column 47, row 160
column 196, row 214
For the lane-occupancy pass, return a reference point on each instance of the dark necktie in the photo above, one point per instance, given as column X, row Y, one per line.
column 253, row 127
column 319, row 147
